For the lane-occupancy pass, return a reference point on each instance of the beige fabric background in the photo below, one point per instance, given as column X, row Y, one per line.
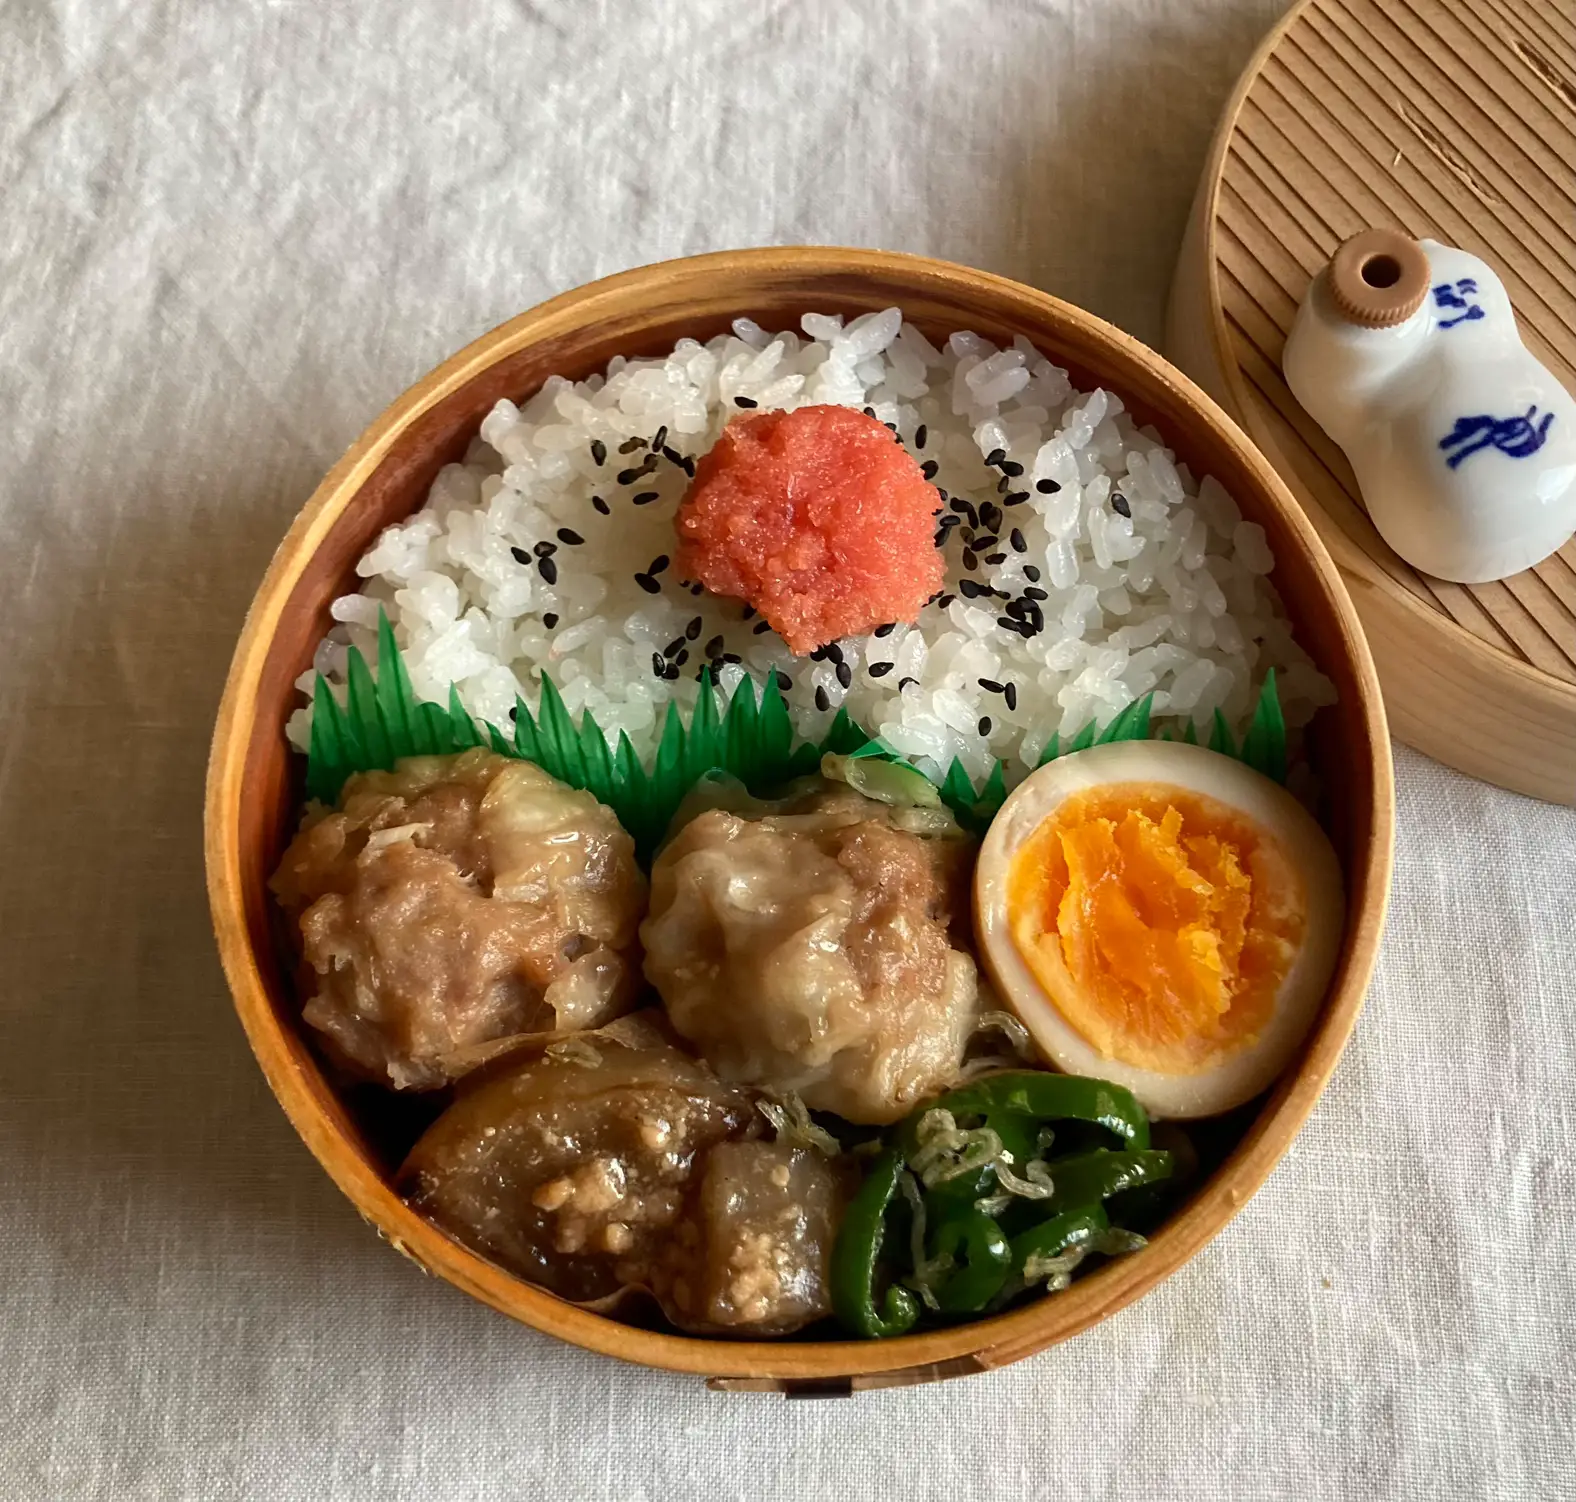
column 228, row 235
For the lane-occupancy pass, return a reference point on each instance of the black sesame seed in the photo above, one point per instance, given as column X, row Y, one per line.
column 748, row 613
column 629, row 476
column 1015, row 498
column 674, row 647
column 928, row 469
column 969, row 559
column 946, row 600
column 672, row 674
column 994, row 559
column 819, row 655
column 995, row 456
column 891, row 427
column 745, row 401
column 520, row 555
column 881, row 669
column 569, row 537
column 714, row 647
column 1013, row 468
column 548, row 569
column 629, row 445
column 887, row 629
column 985, row 543
column 834, row 653
column 821, row 701
column 646, row 497
column 661, row 437
column 697, row 590
column 949, row 521
column 1010, row 694
column 1047, row 487
column 673, row 456
column 1002, row 484
column 784, row 682
column 658, row 563
column 932, row 600
column 1031, row 572
column 845, row 674
column 990, row 516
column 550, row 619
column 598, row 451
column 990, row 685
column 939, row 540
column 545, row 549
column 904, row 683
column 970, row 590
column 984, row 725
column 1034, row 593
column 647, row 583
column 1119, row 504
column 732, row 657
column 968, row 535
column 921, row 433
column 1015, row 537
column 870, row 411
column 760, row 628
column 1007, row 623
column 514, row 714
column 658, row 666
column 682, row 658
column 692, row 630
column 601, row 505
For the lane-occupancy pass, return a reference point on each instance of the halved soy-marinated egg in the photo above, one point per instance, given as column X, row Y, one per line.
column 1163, row 917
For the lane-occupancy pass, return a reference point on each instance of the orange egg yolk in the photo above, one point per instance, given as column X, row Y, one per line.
column 1160, row 921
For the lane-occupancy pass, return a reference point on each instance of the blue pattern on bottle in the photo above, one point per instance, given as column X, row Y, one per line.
column 1451, row 297
column 1515, row 437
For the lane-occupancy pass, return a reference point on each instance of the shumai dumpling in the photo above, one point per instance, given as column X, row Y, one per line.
column 808, row 949
column 455, row 901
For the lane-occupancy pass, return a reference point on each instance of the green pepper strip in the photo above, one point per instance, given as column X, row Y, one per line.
column 984, row 1269
column 1089, row 1178
column 857, row 1253
column 1047, row 1098
column 1054, row 1236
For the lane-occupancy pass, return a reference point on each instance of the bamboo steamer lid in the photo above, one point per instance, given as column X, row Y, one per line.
column 1448, row 119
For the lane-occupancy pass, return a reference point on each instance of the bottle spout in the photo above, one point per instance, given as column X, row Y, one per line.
column 1378, row 279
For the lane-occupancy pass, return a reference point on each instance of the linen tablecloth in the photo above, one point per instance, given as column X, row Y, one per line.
column 229, row 234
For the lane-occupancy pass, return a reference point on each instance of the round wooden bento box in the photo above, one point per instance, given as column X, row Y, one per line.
column 255, row 782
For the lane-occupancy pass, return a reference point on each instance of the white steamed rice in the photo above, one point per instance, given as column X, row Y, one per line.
column 1173, row 599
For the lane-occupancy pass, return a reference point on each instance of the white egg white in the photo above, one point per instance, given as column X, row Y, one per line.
column 1243, row 1074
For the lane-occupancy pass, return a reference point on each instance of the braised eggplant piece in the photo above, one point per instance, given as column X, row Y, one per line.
column 605, row 1166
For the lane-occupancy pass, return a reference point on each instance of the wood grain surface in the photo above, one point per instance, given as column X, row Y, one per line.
column 254, row 780
column 1453, row 119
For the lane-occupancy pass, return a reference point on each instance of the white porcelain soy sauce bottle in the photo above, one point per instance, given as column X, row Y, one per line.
column 1406, row 353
